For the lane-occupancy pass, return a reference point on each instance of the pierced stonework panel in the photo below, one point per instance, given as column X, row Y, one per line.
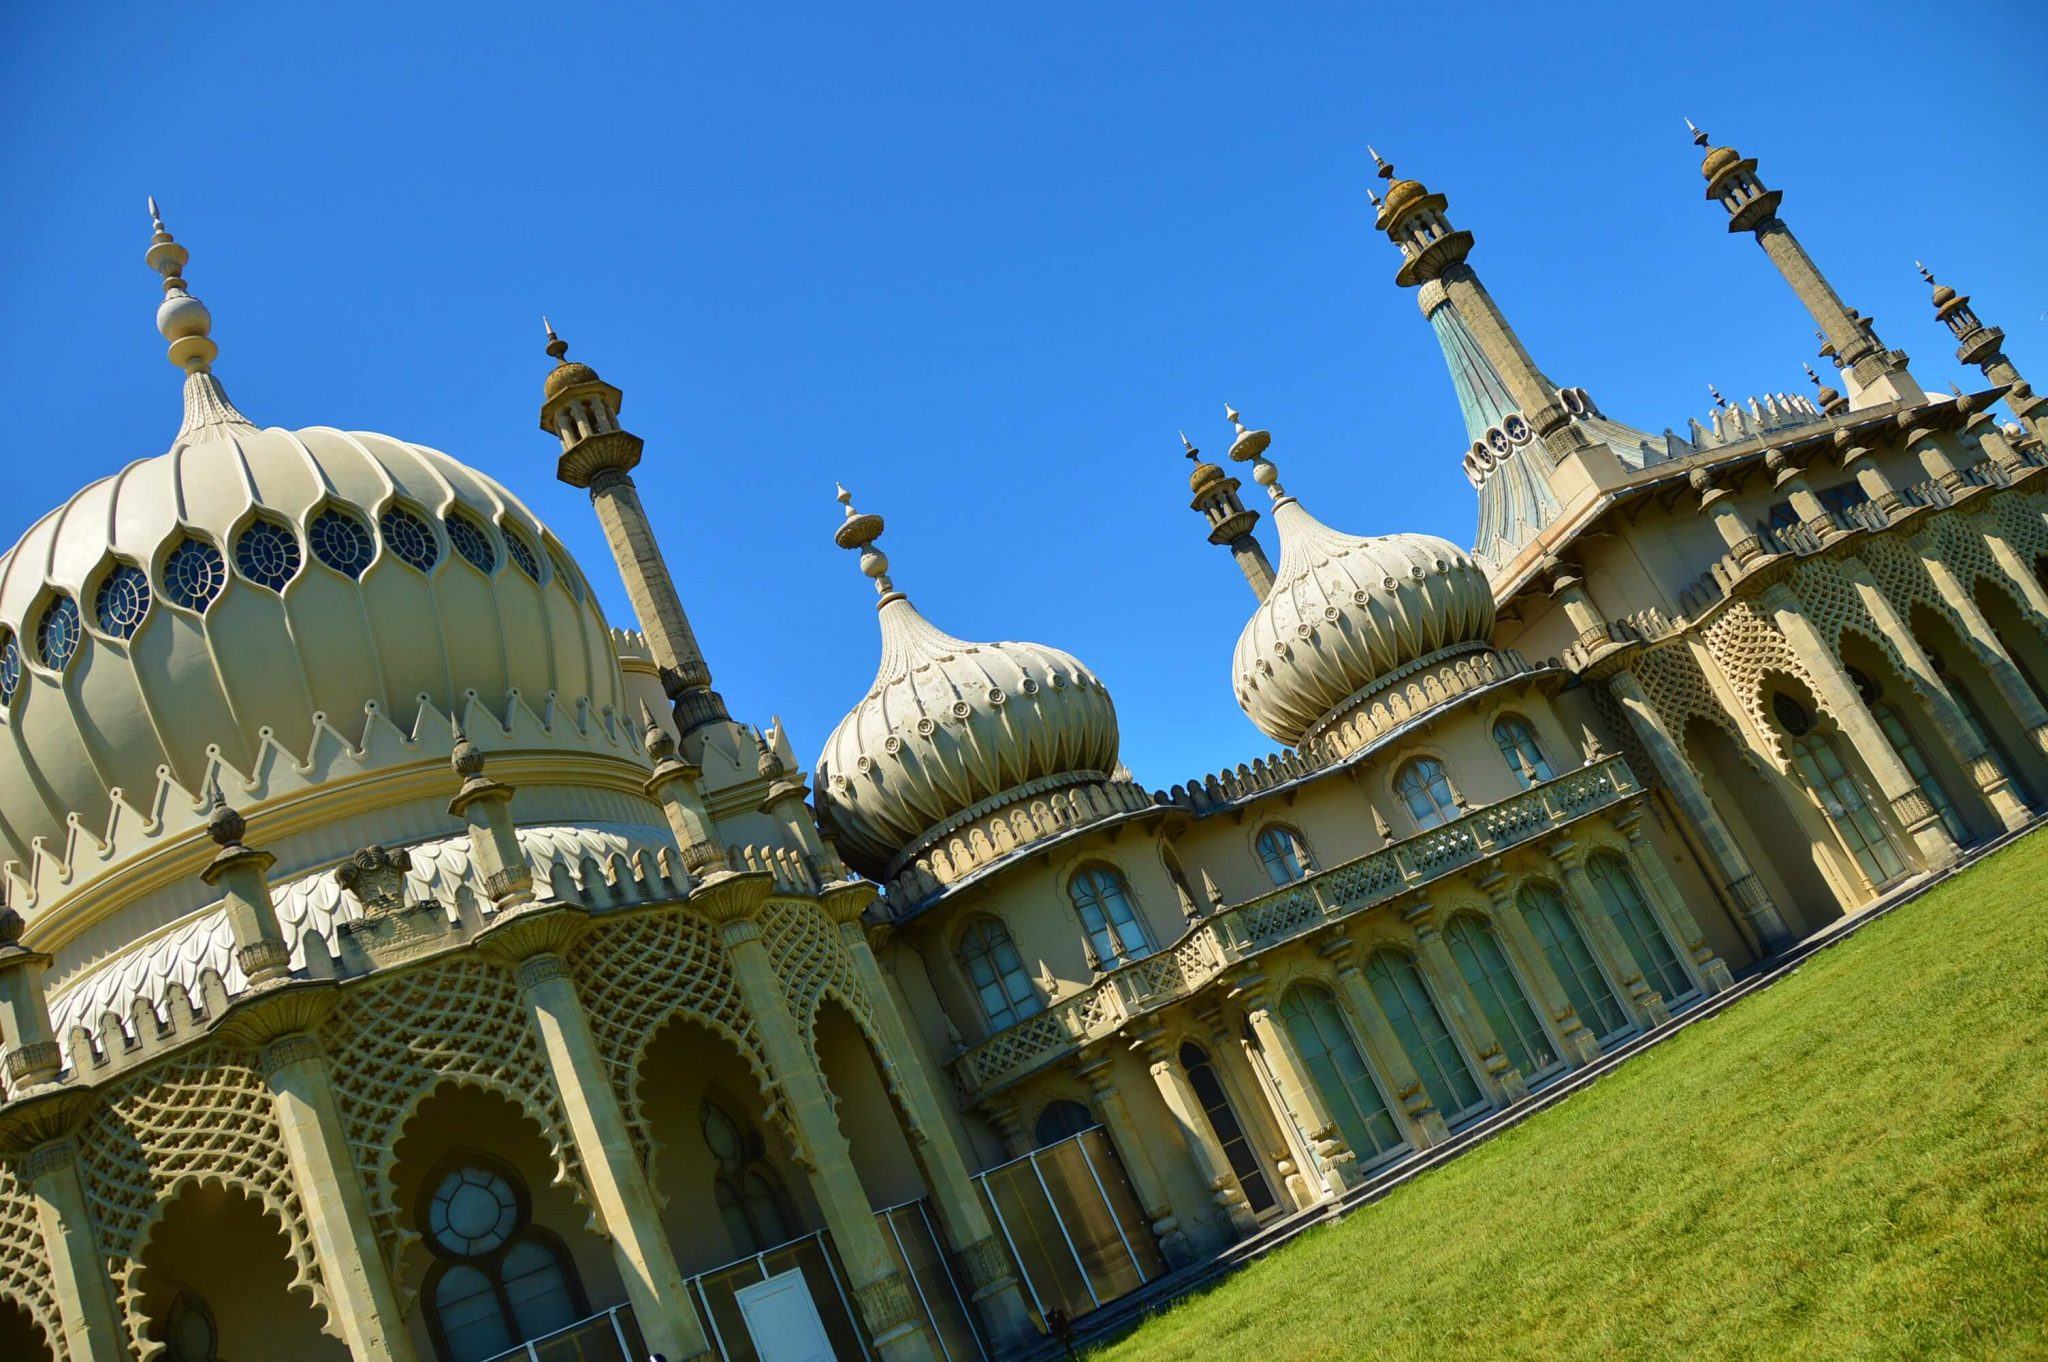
column 812, row 963
column 203, row 1117
column 1748, row 647
column 393, row 1041
column 24, row 1265
column 1678, row 690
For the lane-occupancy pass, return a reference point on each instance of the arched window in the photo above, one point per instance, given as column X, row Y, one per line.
column 1818, row 758
column 1103, row 902
column 995, row 969
column 1915, row 761
column 1518, row 747
column 1557, row 935
column 1285, row 854
column 194, row 573
column 341, row 541
column 410, row 537
column 1492, row 980
column 1425, row 788
column 1244, row 1161
column 57, row 633
column 1323, row 1040
column 121, row 601
column 497, row 1279
column 751, row 1201
column 1630, row 912
column 188, row 1332
column 1062, row 1119
column 472, row 541
column 1398, row 987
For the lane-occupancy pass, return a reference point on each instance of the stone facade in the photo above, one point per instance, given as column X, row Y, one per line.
column 399, row 964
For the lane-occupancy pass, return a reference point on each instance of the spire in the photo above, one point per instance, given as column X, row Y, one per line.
column 1699, row 134
column 1250, row 446
column 1230, row 523
column 186, row 323
column 860, row 530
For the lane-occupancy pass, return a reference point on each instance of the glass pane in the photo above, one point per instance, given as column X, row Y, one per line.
column 908, row 1233
column 1339, row 1071
column 1557, row 935
column 1237, row 1148
column 1399, row 989
column 466, row 1306
column 1639, row 928
column 1034, row 1235
column 1916, row 764
column 538, row 1289
column 1492, row 980
column 1089, row 1221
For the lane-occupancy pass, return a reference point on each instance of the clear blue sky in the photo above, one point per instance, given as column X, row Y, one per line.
column 979, row 264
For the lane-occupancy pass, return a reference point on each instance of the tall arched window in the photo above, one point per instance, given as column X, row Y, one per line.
column 1062, row 1119
column 1285, row 854
column 1426, row 790
column 498, row 1279
column 1323, row 1040
column 1630, row 913
column 1237, row 1148
column 1518, row 747
column 1397, row 986
column 1915, row 761
column 992, row 965
column 751, row 1202
column 1557, row 935
column 1818, row 758
column 1103, row 902
column 1492, row 980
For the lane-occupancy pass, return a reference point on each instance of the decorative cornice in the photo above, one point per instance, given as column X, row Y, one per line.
column 543, row 927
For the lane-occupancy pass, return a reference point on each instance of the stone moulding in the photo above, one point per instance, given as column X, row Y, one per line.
column 1242, row 931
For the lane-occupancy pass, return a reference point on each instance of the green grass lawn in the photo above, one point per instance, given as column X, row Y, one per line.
column 1853, row 1163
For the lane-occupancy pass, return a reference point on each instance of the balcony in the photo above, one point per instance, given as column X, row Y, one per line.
column 1242, row 931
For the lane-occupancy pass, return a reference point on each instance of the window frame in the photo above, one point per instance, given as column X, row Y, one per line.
column 1445, row 812
column 1529, row 745
column 1299, row 850
column 1121, row 884
column 489, row 1265
column 1015, row 1007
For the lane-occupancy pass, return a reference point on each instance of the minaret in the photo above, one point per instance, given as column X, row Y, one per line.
column 1984, row 346
column 599, row 454
column 187, row 324
column 1433, row 259
column 1230, row 523
column 1875, row 374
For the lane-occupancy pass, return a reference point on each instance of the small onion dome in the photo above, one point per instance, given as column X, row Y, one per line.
column 1402, row 193
column 1718, row 160
column 567, row 373
column 1345, row 613
column 1205, row 474
column 951, row 730
column 1943, row 294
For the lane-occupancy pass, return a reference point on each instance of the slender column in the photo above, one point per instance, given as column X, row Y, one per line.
column 963, row 1214
column 1132, row 1147
column 1708, row 970
column 1211, row 1163
column 1500, row 1075
column 1258, row 1110
column 1298, row 1087
column 1642, row 1000
column 1977, row 633
column 732, row 902
column 2014, row 566
column 1751, row 899
column 675, row 786
column 29, row 1056
column 1576, row 1041
column 1932, row 450
column 1860, row 460
column 1957, row 734
column 1426, row 1125
column 1839, row 697
column 78, row 1275
column 531, row 943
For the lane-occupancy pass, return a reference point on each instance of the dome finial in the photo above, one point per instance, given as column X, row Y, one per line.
column 1194, row 455
column 1925, row 273
column 558, row 349
column 860, row 531
column 1699, row 134
column 1384, row 167
column 183, row 319
column 1250, row 447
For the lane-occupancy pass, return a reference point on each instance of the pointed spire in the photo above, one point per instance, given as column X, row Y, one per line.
column 558, row 349
column 1925, row 273
column 860, row 531
column 1194, row 455
column 1250, row 446
column 186, row 323
column 1719, row 400
column 1699, row 134
column 1383, row 167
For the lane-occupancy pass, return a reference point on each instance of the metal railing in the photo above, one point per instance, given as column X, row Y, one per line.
column 587, row 1340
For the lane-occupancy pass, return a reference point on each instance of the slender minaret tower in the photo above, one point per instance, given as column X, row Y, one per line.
column 598, row 454
column 1230, row 523
column 1433, row 259
column 1984, row 346
column 1874, row 373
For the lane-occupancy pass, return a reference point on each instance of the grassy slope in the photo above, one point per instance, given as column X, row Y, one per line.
column 1854, row 1163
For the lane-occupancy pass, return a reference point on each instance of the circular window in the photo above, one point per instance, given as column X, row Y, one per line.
column 473, row 1211
column 57, row 633
column 121, row 601
column 10, row 668
column 267, row 554
column 341, row 541
column 522, row 556
column 471, row 541
column 194, row 574
column 411, row 538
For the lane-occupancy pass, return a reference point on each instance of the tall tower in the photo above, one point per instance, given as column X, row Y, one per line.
column 1984, row 346
column 599, row 454
column 1230, row 521
column 1874, row 373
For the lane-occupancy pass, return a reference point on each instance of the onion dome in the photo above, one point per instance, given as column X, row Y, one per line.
column 1717, row 159
column 1347, row 614
column 1206, row 474
column 251, row 588
column 567, row 373
column 1943, row 294
column 951, row 731
column 1401, row 194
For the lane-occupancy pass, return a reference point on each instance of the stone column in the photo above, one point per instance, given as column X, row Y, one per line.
column 531, row 943
column 1298, row 1087
column 2014, row 566
column 1413, row 1104
column 1708, row 970
column 28, row 1048
column 1642, row 1000
column 239, row 873
column 87, row 1311
column 486, row 806
column 1977, row 634
column 1718, row 505
column 1463, row 1011
column 1839, row 697
column 1257, row 1111
column 675, row 786
column 963, row 1214
column 1861, row 461
column 1211, row 1163
column 1576, row 1042
column 1931, row 449
column 1751, row 899
column 1957, row 733
column 1132, row 1146
column 732, row 903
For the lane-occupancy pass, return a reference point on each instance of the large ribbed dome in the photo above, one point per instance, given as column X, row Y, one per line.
column 951, row 730
column 1345, row 613
column 249, row 580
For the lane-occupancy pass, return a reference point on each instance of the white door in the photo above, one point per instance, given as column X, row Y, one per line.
column 782, row 1321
